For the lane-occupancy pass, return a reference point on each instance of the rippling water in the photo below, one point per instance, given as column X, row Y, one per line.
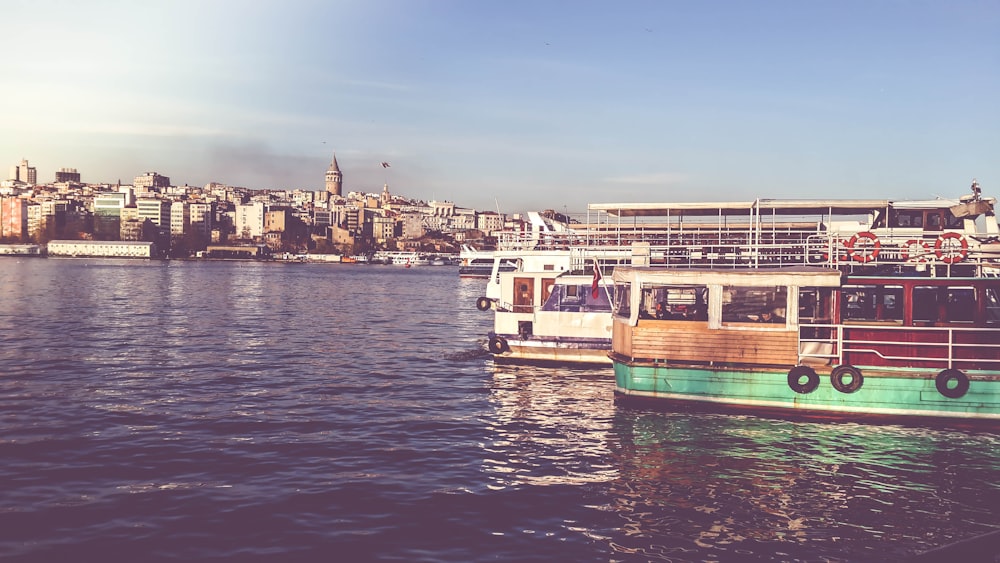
column 248, row 411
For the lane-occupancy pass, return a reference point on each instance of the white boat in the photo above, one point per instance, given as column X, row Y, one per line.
column 399, row 258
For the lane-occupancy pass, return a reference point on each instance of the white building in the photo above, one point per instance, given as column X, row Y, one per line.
column 101, row 248
column 249, row 220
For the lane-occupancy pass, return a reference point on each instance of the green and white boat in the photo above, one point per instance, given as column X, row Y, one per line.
column 810, row 341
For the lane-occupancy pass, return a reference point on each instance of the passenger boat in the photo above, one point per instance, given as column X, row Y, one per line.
column 810, row 341
column 476, row 263
column 933, row 238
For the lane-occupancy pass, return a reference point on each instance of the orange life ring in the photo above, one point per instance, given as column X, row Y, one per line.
column 914, row 249
column 951, row 253
column 861, row 254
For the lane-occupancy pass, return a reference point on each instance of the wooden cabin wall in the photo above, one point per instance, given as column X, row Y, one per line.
column 694, row 341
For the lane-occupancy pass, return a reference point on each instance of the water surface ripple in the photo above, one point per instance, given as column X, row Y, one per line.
column 272, row 412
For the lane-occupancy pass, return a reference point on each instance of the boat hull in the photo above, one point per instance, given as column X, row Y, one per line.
column 903, row 395
column 530, row 350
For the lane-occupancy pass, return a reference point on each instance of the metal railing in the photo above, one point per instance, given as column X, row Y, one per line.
column 940, row 345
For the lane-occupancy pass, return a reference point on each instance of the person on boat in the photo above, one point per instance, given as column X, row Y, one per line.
column 770, row 316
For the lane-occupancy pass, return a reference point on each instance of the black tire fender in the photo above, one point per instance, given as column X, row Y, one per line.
column 795, row 382
column 840, row 373
column 945, row 377
column 484, row 303
column 498, row 345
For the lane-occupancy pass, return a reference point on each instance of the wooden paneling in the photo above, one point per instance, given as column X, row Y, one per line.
column 693, row 341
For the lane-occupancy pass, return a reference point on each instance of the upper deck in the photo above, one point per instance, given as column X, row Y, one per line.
column 941, row 237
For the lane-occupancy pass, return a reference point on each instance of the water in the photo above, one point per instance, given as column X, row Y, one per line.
column 154, row 411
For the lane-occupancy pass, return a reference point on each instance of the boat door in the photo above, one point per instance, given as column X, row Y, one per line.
column 547, row 284
column 524, row 295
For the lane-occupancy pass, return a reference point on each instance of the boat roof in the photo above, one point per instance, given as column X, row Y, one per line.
column 811, row 276
column 768, row 206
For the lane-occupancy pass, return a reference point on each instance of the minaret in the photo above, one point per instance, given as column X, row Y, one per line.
column 386, row 198
column 334, row 179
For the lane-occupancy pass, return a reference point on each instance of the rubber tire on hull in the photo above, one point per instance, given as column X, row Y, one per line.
column 795, row 376
column 483, row 303
column 498, row 345
column 942, row 379
column 837, row 379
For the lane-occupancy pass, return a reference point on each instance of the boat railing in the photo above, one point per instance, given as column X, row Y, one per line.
column 943, row 346
column 946, row 252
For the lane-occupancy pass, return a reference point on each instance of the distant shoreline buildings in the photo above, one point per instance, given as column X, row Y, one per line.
column 180, row 221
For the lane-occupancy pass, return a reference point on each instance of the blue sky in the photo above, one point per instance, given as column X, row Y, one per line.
column 517, row 104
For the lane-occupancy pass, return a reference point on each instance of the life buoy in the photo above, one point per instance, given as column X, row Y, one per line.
column 944, row 379
column 840, row 373
column 951, row 252
column 914, row 251
column 484, row 303
column 868, row 251
column 795, row 376
column 498, row 345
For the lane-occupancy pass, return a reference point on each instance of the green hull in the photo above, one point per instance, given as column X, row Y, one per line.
column 904, row 395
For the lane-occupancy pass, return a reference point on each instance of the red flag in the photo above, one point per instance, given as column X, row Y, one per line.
column 594, row 288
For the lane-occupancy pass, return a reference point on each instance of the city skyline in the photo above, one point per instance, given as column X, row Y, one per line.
column 514, row 105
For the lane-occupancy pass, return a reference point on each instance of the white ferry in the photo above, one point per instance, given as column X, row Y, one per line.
column 934, row 238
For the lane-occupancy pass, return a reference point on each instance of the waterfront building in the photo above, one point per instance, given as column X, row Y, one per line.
column 108, row 212
column 13, row 218
column 249, row 220
column 383, row 228
column 101, row 248
column 156, row 210
column 201, row 217
column 180, row 218
column 334, row 179
column 489, row 222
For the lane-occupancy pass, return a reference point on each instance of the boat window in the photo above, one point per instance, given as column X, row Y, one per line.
column 815, row 305
column 678, row 303
column 623, row 300
column 872, row 303
column 934, row 221
column 992, row 306
column 754, row 304
column 577, row 299
column 944, row 304
column 912, row 219
column 952, row 222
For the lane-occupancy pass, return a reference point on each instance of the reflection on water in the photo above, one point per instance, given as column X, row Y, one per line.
column 699, row 486
column 550, row 426
column 736, row 485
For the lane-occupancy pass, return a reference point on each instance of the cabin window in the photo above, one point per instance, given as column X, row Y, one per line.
column 992, row 306
column 754, row 304
column 683, row 303
column 872, row 303
column 944, row 304
column 910, row 219
column 815, row 305
column 577, row 299
column 623, row 300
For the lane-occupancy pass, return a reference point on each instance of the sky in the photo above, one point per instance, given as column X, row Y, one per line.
column 512, row 105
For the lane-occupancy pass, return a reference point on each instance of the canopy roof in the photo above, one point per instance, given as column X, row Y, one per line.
column 801, row 276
